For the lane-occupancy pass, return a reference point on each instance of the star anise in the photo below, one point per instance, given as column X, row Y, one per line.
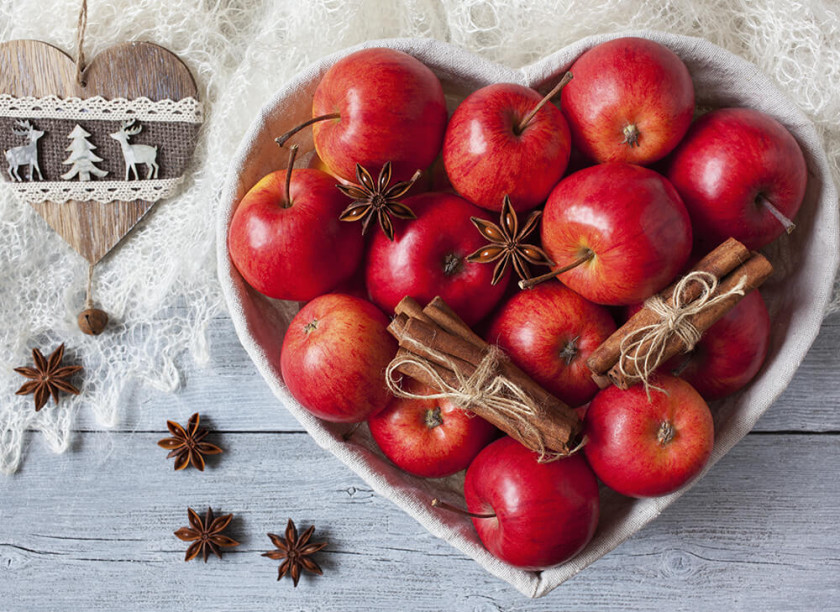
column 47, row 378
column 295, row 552
column 206, row 536
column 376, row 199
column 507, row 244
column 186, row 444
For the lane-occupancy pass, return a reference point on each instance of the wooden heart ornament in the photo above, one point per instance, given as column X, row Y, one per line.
column 93, row 157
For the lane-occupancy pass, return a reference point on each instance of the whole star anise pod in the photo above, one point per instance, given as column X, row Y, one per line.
column 376, row 199
column 206, row 536
column 295, row 552
column 507, row 244
column 186, row 444
column 47, row 378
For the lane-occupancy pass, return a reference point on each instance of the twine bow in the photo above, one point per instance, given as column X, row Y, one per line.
column 484, row 387
column 645, row 347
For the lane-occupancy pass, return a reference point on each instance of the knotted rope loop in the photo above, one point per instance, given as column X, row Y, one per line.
column 485, row 388
column 644, row 348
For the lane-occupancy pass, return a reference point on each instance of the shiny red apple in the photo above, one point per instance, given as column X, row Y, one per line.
column 644, row 447
column 539, row 514
column 384, row 105
column 630, row 100
column 495, row 147
column 623, row 225
column 549, row 332
column 334, row 356
column 741, row 174
column 427, row 258
column 427, row 437
column 730, row 353
column 285, row 247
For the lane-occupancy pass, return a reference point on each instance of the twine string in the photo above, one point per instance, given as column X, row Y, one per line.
column 80, row 37
column 485, row 387
column 645, row 347
column 89, row 296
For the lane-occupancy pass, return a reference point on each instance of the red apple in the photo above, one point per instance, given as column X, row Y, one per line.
column 285, row 248
column 730, row 353
column 334, row 357
column 630, row 100
column 427, row 437
column 741, row 174
column 625, row 226
column 493, row 149
column 427, row 258
column 644, row 447
column 389, row 107
column 542, row 514
column 549, row 332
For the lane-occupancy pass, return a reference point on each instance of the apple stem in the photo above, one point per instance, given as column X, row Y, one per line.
column 780, row 217
column 563, row 82
column 683, row 365
column 281, row 140
column 292, row 154
column 570, row 351
column 347, row 434
column 449, row 507
column 529, row 283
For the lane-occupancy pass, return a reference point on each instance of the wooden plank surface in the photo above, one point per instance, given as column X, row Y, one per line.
column 92, row 529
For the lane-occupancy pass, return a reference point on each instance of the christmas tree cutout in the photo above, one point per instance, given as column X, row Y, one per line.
column 82, row 157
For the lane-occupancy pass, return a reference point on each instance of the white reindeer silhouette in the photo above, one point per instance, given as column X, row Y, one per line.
column 26, row 155
column 136, row 153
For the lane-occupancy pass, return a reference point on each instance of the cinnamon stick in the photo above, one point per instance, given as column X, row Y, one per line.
column 755, row 271
column 439, row 311
column 719, row 262
column 439, row 336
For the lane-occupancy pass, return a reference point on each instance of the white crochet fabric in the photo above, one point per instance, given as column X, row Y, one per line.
column 161, row 286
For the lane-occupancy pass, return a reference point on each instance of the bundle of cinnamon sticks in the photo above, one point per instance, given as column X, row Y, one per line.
column 738, row 272
column 439, row 350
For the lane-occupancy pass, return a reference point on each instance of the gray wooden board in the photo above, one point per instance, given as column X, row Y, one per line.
column 92, row 529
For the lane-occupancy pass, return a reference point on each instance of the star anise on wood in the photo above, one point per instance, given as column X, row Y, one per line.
column 206, row 536
column 186, row 445
column 507, row 243
column 377, row 199
column 47, row 378
column 295, row 552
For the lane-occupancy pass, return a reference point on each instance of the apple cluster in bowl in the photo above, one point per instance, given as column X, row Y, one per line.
column 627, row 188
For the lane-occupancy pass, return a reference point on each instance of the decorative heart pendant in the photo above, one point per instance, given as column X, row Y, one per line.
column 92, row 159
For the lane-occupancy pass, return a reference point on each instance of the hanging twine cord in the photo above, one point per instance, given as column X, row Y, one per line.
column 89, row 295
column 484, row 388
column 645, row 347
column 80, row 50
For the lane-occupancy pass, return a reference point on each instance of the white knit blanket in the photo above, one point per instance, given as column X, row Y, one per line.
column 160, row 285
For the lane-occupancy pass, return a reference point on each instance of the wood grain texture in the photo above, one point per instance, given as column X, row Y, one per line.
column 760, row 531
column 128, row 70
column 92, row 529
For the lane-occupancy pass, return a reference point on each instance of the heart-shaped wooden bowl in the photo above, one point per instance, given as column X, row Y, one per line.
column 797, row 295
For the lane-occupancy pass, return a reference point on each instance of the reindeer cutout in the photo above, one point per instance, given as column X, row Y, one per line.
column 26, row 155
column 136, row 153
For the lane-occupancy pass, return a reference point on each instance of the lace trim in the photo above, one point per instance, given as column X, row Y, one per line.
column 150, row 190
column 185, row 110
